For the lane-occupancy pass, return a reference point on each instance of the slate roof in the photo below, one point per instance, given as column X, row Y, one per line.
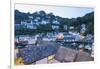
column 35, row 53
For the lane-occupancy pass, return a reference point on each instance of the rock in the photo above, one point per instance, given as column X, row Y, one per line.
column 60, row 54
column 42, row 61
column 83, row 56
column 65, row 54
column 70, row 55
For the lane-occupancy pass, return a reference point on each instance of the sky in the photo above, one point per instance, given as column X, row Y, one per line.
column 62, row 11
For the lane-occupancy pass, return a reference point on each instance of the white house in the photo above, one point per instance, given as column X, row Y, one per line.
column 44, row 22
column 55, row 24
column 83, row 28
